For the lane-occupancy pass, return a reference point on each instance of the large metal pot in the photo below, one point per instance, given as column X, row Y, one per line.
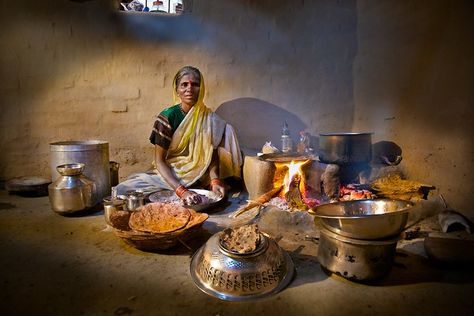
column 345, row 148
column 355, row 259
column 93, row 153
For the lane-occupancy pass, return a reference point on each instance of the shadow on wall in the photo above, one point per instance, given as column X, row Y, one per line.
column 257, row 121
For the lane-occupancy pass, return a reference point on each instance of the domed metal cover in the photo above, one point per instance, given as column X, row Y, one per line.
column 233, row 277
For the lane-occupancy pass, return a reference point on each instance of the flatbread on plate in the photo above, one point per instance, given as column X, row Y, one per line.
column 160, row 218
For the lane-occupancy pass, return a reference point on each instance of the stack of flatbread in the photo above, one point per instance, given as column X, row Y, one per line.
column 165, row 218
column 243, row 239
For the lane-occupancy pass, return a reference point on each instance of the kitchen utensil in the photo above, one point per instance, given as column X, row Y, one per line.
column 364, row 219
column 355, row 259
column 170, row 196
column 112, row 205
column 241, row 277
column 134, row 199
column 28, row 186
column 93, row 153
column 147, row 241
column 72, row 191
column 345, row 148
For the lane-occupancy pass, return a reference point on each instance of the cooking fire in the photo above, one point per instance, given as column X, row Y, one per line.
column 302, row 184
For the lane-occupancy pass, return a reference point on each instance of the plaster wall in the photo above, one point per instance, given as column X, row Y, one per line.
column 81, row 70
column 413, row 80
column 76, row 70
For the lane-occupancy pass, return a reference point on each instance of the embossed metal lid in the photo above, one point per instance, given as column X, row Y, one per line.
column 235, row 277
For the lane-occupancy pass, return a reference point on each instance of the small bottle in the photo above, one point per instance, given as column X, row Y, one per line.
column 303, row 145
column 286, row 142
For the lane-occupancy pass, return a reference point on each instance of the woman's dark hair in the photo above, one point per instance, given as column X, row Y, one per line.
column 187, row 70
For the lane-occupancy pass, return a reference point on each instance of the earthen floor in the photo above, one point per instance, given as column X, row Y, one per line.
column 56, row 265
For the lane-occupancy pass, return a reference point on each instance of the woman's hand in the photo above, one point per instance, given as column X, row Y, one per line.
column 191, row 198
column 217, row 187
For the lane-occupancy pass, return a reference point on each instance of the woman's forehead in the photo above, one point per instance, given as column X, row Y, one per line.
column 189, row 77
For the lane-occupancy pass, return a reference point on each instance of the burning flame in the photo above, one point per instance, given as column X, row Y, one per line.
column 294, row 170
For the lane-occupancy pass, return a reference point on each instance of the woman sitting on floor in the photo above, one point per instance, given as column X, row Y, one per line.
column 192, row 145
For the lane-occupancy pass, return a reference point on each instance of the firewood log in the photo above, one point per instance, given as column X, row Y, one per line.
column 264, row 198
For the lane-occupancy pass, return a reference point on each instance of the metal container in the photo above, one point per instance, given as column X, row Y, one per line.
column 167, row 196
column 93, row 153
column 364, row 219
column 71, row 192
column 355, row 259
column 345, row 148
column 134, row 199
column 241, row 277
column 112, row 205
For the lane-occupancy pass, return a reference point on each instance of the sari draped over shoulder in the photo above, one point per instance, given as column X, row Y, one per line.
column 190, row 152
column 193, row 142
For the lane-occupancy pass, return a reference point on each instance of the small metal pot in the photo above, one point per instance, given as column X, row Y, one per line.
column 134, row 199
column 112, row 205
column 345, row 148
column 356, row 259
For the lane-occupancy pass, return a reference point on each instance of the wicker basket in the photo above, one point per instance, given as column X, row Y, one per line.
column 154, row 241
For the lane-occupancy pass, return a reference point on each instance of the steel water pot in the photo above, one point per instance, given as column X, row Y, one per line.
column 72, row 191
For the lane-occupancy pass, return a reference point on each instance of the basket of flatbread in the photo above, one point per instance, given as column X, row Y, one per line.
column 157, row 226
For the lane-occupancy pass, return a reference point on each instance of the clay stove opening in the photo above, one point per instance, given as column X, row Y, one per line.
column 296, row 188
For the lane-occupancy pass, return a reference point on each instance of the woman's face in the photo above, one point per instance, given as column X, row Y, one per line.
column 188, row 89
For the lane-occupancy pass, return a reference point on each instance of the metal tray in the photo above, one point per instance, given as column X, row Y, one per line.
column 170, row 197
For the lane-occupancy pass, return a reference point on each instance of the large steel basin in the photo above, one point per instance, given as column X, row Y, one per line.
column 364, row 219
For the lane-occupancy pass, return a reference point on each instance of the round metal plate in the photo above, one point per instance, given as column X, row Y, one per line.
column 170, row 196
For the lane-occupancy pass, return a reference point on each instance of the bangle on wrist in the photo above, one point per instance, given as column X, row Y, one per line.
column 216, row 181
column 180, row 191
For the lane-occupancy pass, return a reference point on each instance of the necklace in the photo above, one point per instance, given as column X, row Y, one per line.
column 181, row 109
